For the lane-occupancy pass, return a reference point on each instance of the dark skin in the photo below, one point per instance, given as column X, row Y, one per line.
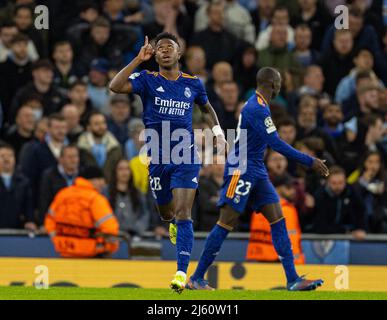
column 167, row 55
column 269, row 86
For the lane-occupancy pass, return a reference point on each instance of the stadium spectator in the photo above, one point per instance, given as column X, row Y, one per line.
column 364, row 62
column 262, row 14
column 215, row 37
column 209, row 194
column 80, row 220
column 22, row 131
column 72, row 117
column 195, row 61
column 97, row 86
column 339, row 209
column 221, row 72
column 246, row 70
column 276, row 164
column 260, row 247
column 58, row 177
column 313, row 84
column 366, row 99
column 16, row 69
column 172, row 17
column 98, row 146
column 78, row 96
column 229, row 96
column 134, row 144
column 337, row 63
column 41, row 85
column 370, row 183
column 314, row 14
column 277, row 54
column 96, row 43
column 287, row 130
column 24, row 20
column 8, row 31
column 87, row 14
column 139, row 13
column 307, row 124
column 303, row 52
column 314, row 147
column 65, row 70
column 280, row 19
column 333, row 121
column 129, row 204
column 41, row 130
column 16, row 211
column 37, row 156
column 118, row 120
column 238, row 21
column 114, row 10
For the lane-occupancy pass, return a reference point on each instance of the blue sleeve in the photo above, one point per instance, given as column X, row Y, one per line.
column 264, row 125
column 138, row 82
column 201, row 95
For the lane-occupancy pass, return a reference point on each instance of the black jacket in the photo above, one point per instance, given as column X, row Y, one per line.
column 338, row 214
column 34, row 158
column 16, row 203
column 51, row 183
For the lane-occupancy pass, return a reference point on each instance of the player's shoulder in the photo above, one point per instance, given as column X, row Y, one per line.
column 255, row 107
column 188, row 76
column 143, row 73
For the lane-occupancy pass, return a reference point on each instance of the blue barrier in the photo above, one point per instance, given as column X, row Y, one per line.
column 234, row 250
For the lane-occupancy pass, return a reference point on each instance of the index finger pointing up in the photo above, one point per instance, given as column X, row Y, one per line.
column 146, row 41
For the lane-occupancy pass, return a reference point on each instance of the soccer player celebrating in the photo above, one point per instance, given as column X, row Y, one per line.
column 168, row 97
column 252, row 190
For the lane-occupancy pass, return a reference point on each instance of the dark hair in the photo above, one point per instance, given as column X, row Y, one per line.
column 20, row 37
column 92, row 114
column 23, row 6
column 77, row 83
column 70, row 146
column 8, row 24
column 363, row 75
column 43, row 63
column 61, row 43
column 286, row 121
column 100, row 22
column 380, row 175
column 334, row 170
column 132, row 190
column 166, row 35
column 7, row 146
column 55, row 117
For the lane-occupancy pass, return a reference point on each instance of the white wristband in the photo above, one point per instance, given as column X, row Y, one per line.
column 217, row 131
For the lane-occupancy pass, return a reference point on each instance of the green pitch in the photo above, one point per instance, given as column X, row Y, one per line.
column 55, row 293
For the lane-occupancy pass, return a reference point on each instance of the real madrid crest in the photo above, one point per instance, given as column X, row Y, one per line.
column 187, row 92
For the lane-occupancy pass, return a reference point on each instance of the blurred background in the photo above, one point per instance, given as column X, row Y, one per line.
column 57, row 117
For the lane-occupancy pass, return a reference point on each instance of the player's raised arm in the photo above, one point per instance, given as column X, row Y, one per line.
column 120, row 83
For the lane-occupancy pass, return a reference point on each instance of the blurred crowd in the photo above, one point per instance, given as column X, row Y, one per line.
column 57, row 114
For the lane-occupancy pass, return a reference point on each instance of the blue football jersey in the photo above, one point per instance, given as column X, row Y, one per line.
column 261, row 132
column 168, row 100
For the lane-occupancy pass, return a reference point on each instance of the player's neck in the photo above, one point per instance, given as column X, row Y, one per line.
column 266, row 94
column 170, row 74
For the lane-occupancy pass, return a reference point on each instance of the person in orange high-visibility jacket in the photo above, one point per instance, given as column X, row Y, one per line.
column 260, row 247
column 80, row 220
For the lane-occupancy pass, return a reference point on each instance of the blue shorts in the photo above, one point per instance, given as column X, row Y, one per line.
column 244, row 192
column 163, row 178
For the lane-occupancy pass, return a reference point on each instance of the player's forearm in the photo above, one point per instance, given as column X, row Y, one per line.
column 289, row 152
column 120, row 81
column 210, row 115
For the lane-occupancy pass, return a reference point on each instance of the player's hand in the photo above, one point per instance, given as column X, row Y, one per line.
column 320, row 166
column 146, row 51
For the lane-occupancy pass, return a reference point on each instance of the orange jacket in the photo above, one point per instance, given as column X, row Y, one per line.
column 76, row 216
column 261, row 247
